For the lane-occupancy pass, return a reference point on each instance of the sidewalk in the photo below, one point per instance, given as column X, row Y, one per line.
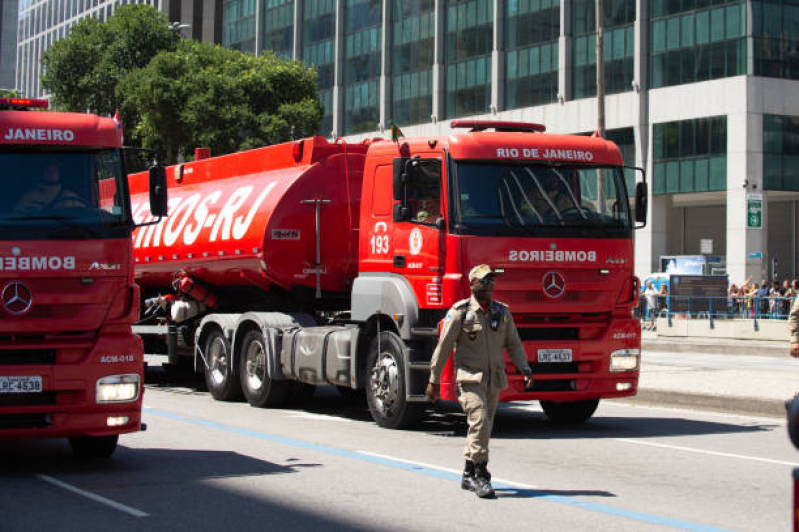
column 746, row 377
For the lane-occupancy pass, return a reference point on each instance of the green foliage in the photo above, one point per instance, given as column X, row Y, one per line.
column 175, row 94
column 82, row 71
column 205, row 95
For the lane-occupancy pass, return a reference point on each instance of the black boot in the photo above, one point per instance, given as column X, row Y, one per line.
column 483, row 482
column 468, row 480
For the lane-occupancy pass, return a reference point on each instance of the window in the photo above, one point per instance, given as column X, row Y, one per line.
column 238, row 25
column 362, row 65
column 690, row 156
column 412, row 59
column 470, row 34
column 781, row 153
column 775, row 30
column 618, row 46
column 277, row 27
column 531, row 40
column 696, row 42
column 319, row 30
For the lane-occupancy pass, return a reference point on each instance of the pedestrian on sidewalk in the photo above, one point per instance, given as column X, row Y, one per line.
column 480, row 330
column 793, row 327
column 651, row 296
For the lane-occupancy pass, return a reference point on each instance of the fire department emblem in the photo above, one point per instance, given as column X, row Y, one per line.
column 554, row 284
column 415, row 241
column 16, row 298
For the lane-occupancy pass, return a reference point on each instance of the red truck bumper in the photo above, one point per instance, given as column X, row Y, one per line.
column 67, row 404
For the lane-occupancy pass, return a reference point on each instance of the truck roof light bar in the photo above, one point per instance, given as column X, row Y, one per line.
column 498, row 126
column 23, row 103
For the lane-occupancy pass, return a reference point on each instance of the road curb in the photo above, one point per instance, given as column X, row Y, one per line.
column 719, row 348
column 714, row 403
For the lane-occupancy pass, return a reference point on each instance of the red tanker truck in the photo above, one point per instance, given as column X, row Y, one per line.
column 315, row 263
column 70, row 366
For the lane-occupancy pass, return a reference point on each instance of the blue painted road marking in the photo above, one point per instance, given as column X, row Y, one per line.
column 559, row 499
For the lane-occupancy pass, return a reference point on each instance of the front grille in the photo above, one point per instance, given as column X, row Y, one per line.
column 27, row 399
column 25, row 421
column 548, row 368
column 550, row 333
column 27, row 357
column 558, row 385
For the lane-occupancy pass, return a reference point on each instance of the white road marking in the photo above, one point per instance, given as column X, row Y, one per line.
column 712, row 453
column 496, row 480
column 318, row 417
column 93, row 496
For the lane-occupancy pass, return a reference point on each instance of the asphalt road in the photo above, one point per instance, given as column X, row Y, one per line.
column 207, row 465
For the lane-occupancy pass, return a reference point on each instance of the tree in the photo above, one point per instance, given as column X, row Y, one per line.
column 83, row 71
column 204, row 95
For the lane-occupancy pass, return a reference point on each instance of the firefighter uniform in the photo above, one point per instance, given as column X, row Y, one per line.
column 480, row 338
column 793, row 321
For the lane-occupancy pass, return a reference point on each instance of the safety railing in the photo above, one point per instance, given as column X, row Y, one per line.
column 714, row 308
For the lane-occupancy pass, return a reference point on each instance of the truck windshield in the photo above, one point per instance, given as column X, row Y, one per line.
column 64, row 195
column 555, row 200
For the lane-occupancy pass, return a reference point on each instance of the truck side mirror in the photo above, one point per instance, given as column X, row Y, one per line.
column 641, row 202
column 402, row 213
column 401, row 177
column 158, row 192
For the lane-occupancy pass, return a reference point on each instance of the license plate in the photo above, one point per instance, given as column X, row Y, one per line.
column 554, row 355
column 20, row 384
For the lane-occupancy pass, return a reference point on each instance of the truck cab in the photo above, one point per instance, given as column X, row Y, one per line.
column 70, row 365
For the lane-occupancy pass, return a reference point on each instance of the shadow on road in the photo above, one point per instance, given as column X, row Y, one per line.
column 178, row 489
column 512, row 421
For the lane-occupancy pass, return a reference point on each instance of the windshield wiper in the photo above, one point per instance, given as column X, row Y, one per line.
column 66, row 221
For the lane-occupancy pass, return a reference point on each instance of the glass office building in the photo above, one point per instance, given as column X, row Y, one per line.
column 702, row 94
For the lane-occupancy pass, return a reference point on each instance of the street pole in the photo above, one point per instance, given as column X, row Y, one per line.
column 600, row 71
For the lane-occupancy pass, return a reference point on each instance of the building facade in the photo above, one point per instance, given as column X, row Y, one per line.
column 703, row 94
column 42, row 22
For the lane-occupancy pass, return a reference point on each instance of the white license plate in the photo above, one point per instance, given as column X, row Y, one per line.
column 554, row 355
column 20, row 384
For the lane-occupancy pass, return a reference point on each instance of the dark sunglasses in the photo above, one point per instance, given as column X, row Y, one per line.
column 487, row 280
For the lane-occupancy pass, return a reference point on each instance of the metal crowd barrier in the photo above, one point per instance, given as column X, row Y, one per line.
column 714, row 308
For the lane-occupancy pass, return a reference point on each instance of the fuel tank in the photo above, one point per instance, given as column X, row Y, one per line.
column 253, row 219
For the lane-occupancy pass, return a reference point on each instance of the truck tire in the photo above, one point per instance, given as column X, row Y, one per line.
column 259, row 388
column 569, row 413
column 221, row 379
column 385, row 384
column 93, row 447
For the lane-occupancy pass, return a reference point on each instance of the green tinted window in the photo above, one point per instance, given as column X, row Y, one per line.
column 690, row 156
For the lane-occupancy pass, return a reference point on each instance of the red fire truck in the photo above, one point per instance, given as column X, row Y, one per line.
column 70, row 366
column 315, row 263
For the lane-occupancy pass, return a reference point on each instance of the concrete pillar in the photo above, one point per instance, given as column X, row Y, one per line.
column 385, row 61
column 565, row 52
column 439, row 62
column 747, row 252
column 338, row 73
column 498, row 59
column 296, row 51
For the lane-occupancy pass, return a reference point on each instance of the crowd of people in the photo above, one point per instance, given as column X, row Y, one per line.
column 768, row 299
column 771, row 300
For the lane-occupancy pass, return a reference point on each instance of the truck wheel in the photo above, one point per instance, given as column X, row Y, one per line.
column 222, row 381
column 569, row 413
column 93, row 447
column 259, row 389
column 385, row 385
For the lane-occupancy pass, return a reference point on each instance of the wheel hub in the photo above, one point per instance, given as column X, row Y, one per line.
column 385, row 381
column 255, row 366
column 217, row 362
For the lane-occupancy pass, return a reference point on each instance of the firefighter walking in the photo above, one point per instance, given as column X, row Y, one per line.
column 480, row 330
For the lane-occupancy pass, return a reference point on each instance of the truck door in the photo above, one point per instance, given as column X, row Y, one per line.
column 418, row 241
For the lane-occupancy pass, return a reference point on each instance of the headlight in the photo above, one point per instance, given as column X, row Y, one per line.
column 118, row 388
column 624, row 359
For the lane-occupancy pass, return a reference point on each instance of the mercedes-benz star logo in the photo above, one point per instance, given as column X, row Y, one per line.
column 17, row 298
column 554, row 284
